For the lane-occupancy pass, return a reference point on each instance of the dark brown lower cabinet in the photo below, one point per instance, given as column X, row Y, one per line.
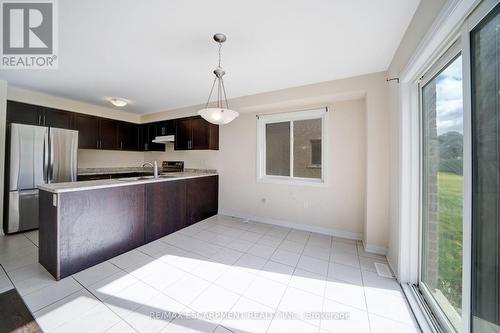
column 166, row 208
column 174, row 205
column 83, row 228
column 202, row 195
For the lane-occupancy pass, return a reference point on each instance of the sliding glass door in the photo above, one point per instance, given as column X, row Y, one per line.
column 459, row 275
column 442, row 184
column 485, row 83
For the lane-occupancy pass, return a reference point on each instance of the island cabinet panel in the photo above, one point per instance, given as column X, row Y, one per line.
column 94, row 226
column 203, row 198
column 79, row 229
column 166, row 208
column 48, row 250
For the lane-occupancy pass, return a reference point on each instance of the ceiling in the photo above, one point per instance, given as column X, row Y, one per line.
column 160, row 54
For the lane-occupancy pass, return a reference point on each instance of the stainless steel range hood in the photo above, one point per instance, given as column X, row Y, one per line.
column 164, row 139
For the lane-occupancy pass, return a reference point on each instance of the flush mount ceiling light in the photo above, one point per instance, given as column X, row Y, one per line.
column 219, row 114
column 118, row 102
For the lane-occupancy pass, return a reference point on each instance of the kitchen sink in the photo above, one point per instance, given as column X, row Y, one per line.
column 130, row 179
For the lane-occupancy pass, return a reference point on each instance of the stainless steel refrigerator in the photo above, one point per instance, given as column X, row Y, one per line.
column 38, row 155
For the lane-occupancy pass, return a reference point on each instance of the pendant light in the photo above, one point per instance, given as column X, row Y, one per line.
column 220, row 113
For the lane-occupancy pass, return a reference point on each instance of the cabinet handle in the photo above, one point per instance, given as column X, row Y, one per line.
column 97, row 144
column 44, row 122
column 121, row 145
column 39, row 119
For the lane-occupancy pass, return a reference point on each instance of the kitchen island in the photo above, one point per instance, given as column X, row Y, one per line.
column 85, row 223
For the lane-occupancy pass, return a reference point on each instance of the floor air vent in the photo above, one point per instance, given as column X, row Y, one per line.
column 383, row 270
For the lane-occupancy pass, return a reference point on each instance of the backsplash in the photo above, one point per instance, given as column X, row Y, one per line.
column 90, row 158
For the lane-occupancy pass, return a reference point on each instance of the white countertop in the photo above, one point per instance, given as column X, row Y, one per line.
column 108, row 183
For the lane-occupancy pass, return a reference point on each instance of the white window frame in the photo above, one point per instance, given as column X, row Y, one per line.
column 263, row 120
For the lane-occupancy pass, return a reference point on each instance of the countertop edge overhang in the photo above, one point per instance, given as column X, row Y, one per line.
column 109, row 183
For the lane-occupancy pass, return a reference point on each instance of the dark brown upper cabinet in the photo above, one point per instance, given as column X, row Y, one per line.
column 196, row 133
column 29, row 114
column 183, row 134
column 166, row 127
column 128, row 136
column 108, row 134
column 22, row 113
column 148, row 133
column 88, row 131
column 96, row 132
column 191, row 133
column 58, row 118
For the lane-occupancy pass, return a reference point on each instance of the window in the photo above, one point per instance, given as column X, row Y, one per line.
column 292, row 147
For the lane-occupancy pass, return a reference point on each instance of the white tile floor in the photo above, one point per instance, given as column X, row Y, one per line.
column 218, row 265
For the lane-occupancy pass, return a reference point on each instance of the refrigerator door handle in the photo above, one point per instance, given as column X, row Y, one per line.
column 45, row 159
column 50, row 171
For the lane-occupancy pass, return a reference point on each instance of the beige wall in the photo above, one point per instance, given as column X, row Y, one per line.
column 236, row 160
column 3, row 105
column 420, row 24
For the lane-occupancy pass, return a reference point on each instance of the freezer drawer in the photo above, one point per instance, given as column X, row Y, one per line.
column 23, row 210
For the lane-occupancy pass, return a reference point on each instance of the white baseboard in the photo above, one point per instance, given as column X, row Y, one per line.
column 299, row 226
column 375, row 249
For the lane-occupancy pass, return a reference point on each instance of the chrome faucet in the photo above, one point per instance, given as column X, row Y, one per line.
column 154, row 165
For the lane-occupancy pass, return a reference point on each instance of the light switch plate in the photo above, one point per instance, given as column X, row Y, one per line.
column 54, row 200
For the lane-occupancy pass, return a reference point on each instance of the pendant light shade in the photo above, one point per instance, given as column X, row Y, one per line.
column 219, row 114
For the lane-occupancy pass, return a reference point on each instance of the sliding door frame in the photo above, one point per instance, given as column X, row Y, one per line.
column 454, row 23
column 450, row 54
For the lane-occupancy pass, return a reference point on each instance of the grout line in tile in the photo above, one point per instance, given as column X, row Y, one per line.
column 43, row 307
column 106, row 305
column 8, row 277
column 326, row 282
column 364, row 292
column 288, row 284
column 29, row 239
